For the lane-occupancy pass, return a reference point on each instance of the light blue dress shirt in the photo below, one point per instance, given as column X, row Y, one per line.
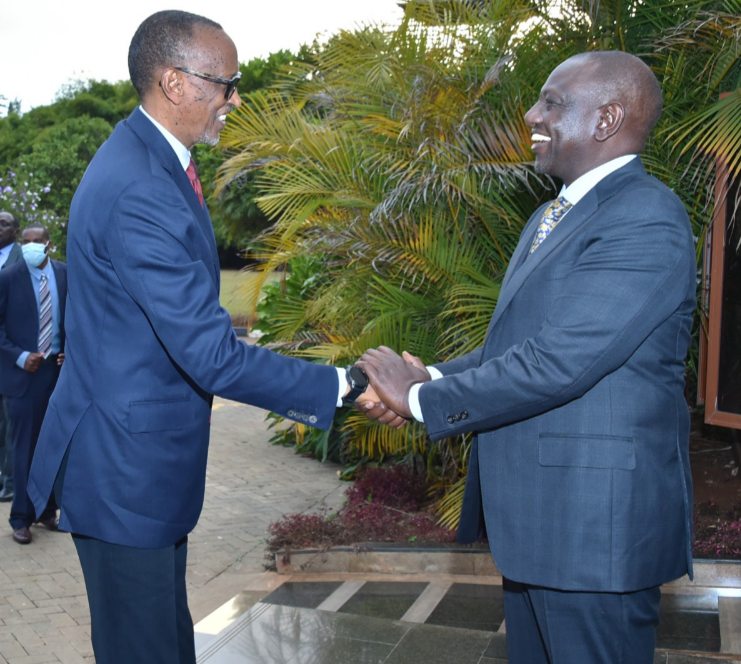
column 5, row 254
column 56, row 334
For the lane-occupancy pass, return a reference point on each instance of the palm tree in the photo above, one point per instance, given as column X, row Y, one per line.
column 397, row 162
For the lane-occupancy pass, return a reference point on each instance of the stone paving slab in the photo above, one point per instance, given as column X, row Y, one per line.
column 44, row 616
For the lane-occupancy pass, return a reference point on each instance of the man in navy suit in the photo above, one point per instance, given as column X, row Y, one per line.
column 32, row 294
column 125, row 439
column 579, row 469
column 10, row 254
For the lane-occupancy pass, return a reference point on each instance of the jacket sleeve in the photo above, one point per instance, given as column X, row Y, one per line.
column 633, row 274
column 154, row 254
column 459, row 364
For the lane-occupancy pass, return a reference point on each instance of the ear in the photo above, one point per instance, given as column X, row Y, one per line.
column 171, row 83
column 609, row 121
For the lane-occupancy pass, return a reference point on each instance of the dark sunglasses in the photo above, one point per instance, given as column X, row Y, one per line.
column 231, row 83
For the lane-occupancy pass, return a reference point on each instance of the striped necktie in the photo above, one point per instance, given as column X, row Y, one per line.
column 45, row 327
column 195, row 181
column 552, row 215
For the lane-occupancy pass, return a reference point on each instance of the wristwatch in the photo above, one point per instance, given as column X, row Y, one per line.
column 357, row 379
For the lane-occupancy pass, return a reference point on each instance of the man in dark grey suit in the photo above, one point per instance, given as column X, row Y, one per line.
column 579, row 469
column 10, row 253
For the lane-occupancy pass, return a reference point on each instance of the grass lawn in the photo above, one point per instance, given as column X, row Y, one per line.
column 235, row 286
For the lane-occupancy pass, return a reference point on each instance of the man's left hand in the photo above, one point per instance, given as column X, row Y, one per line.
column 370, row 403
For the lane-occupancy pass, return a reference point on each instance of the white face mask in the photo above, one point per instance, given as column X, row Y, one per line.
column 34, row 253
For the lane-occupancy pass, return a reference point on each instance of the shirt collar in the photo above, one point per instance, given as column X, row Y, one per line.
column 584, row 184
column 181, row 151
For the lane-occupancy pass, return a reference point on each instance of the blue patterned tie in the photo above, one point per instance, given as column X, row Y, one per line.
column 552, row 215
column 45, row 327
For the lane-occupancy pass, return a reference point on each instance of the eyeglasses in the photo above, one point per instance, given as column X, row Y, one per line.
column 231, row 83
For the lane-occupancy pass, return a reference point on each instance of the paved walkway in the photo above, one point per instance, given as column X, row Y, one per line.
column 43, row 608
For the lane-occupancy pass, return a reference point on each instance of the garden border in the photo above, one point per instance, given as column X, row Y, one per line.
column 390, row 558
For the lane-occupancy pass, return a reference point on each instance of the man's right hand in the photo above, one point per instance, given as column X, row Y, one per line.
column 33, row 362
column 391, row 376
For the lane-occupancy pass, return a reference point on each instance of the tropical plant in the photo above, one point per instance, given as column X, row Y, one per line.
column 398, row 160
column 234, row 214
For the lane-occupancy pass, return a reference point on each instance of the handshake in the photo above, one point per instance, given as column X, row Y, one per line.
column 391, row 376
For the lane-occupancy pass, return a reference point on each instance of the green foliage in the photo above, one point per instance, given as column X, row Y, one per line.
column 54, row 144
column 396, row 163
column 399, row 171
column 235, row 215
column 95, row 99
column 25, row 197
column 60, row 156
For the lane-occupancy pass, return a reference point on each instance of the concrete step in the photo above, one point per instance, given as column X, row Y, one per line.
column 377, row 619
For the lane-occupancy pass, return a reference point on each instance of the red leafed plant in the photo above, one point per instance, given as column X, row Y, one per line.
column 717, row 534
column 383, row 505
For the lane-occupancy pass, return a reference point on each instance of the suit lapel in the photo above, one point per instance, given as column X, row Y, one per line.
column 61, row 277
column 27, row 297
column 526, row 239
column 165, row 155
column 14, row 256
column 523, row 267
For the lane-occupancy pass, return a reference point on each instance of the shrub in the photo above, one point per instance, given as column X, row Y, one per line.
column 383, row 505
column 717, row 535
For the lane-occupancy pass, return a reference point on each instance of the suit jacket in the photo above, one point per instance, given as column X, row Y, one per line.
column 580, row 467
column 19, row 322
column 15, row 255
column 147, row 346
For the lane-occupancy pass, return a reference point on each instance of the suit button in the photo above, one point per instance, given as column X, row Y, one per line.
column 312, row 419
column 291, row 413
column 464, row 415
column 451, row 419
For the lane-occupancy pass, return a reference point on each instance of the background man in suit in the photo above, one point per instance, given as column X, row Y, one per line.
column 10, row 254
column 32, row 295
column 125, row 439
column 580, row 464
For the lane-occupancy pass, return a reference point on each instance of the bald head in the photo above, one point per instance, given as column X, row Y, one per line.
column 616, row 76
column 594, row 107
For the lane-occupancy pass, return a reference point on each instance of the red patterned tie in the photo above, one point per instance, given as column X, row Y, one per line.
column 192, row 174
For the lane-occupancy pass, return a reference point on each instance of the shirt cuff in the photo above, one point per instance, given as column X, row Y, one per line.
column 342, row 382
column 434, row 373
column 21, row 361
column 413, row 396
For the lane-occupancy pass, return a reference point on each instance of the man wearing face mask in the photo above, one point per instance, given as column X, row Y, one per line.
column 10, row 254
column 32, row 298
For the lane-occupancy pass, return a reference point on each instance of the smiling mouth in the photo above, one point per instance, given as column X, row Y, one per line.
column 539, row 139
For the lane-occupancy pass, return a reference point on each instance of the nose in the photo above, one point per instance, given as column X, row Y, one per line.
column 533, row 116
column 235, row 100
